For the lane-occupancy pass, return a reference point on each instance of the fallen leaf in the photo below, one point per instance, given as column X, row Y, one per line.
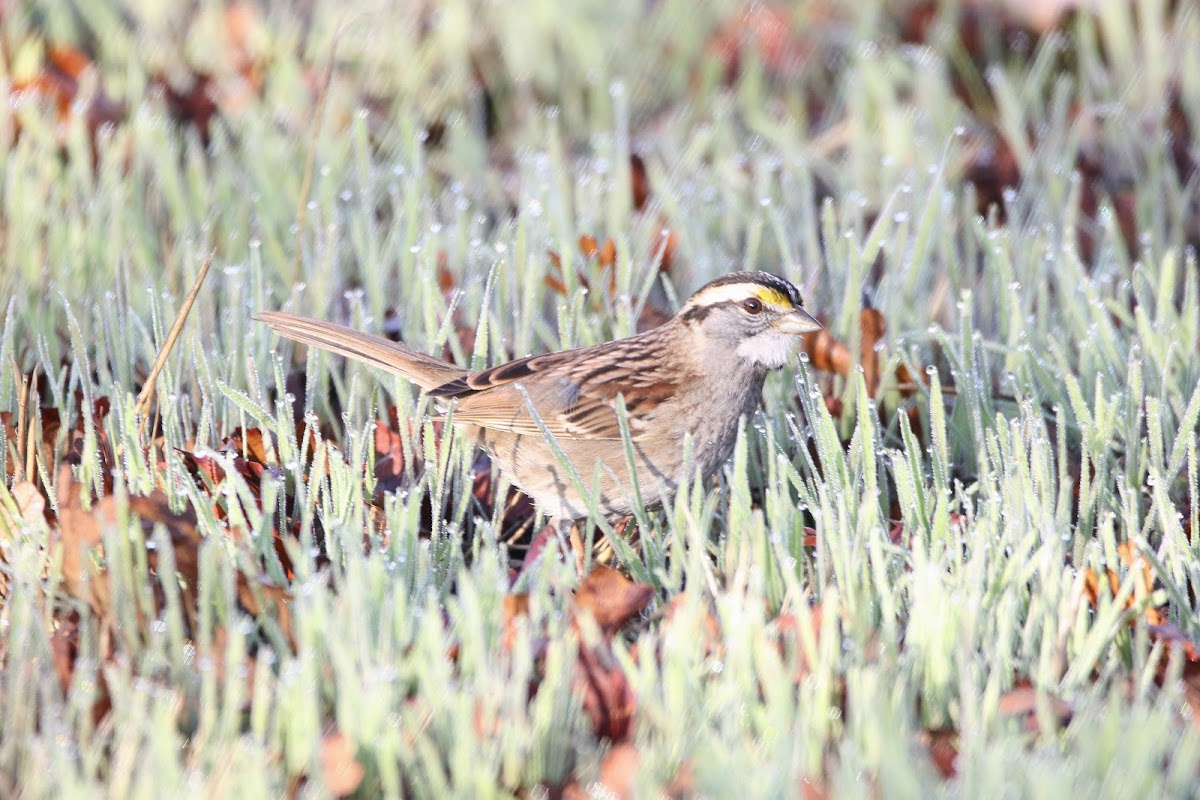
column 943, row 751
column 611, row 598
column 709, row 627
column 518, row 514
column 765, row 30
column 789, row 627
column 248, row 443
column 340, row 771
column 515, row 606
column 1022, row 701
column 873, row 326
column 31, row 507
column 618, row 769
column 1173, row 635
column 79, row 534
column 640, row 182
column 608, row 699
column 51, row 423
column 811, row 789
column 827, row 354
column 1143, row 582
column 58, row 82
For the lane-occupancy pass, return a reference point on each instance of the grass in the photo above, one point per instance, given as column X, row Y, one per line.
column 1068, row 428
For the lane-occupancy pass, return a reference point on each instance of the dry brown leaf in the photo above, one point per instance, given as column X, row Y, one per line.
column 612, row 598
column 618, row 770
column 1022, row 701
column 515, row 607
column 51, row 423
column 767, row 31
column 810, row 789
column 943, row 751
column 58, row 82
column 30, row 503
column 789, row 628
column 340, row 771
column 710, row 628
column 79, row 533
column 874, row 326
column 1174, row 636
column 827, row 353
column 249, row 444
column 1143, row 582
column 639, row 180
column 608, row 699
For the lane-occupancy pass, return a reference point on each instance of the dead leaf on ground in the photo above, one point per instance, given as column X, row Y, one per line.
column 710, row 627
column 1022, row 701
column 1174, row 636
column 249, row 443
column 810, row 789
column 1143, row 582
column 789, row 627
column 58, row 82
column 874, row 326
column 515, row 606
column 518, row 513
column 604, row 258
column 618, row 769
column 639, row 181
column 767, row 31
column 31, row 507
column 608, row 699
column 943, row 751
column 340, row 771
column 828, row 354
column 79, row 533
column 611, row 598
column 51, row 423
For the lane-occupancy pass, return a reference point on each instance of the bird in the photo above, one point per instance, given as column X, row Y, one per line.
column 698, row 374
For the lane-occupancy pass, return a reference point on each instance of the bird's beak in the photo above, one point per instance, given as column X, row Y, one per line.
column 797, row 322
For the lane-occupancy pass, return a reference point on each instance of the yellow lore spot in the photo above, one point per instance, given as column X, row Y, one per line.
column 774, row 297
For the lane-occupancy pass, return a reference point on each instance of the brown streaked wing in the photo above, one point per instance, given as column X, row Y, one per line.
column 575, row 397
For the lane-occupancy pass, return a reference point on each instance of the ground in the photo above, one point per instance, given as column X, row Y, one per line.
column 954, row 553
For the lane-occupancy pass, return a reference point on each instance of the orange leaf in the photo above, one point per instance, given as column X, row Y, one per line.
column 873, row 326
column 1022, row 701
column 828, row 354
column 608, row 699
column 445, row 277
column 1142, row 587
column 68, row 60
column 612, row 598
column 340, row 771
column 608, row 253
column 618, row 769
column 943, row 751
column 639, row 181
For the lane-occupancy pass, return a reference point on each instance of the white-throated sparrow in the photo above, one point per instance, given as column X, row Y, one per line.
column 694, row 375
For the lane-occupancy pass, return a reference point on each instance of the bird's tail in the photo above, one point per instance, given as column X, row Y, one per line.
column 424, row 370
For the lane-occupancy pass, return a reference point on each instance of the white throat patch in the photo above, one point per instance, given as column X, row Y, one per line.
column 770, row 349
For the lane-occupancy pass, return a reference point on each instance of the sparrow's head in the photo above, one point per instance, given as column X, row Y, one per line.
column 758, row 314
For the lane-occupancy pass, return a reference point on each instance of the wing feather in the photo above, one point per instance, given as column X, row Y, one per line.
column 575, row 392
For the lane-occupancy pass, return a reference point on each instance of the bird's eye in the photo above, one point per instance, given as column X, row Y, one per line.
column 752, row 305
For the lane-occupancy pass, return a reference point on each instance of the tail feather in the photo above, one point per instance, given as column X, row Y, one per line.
column 424, row 370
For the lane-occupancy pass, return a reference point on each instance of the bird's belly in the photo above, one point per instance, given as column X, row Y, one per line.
column 600, row 467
